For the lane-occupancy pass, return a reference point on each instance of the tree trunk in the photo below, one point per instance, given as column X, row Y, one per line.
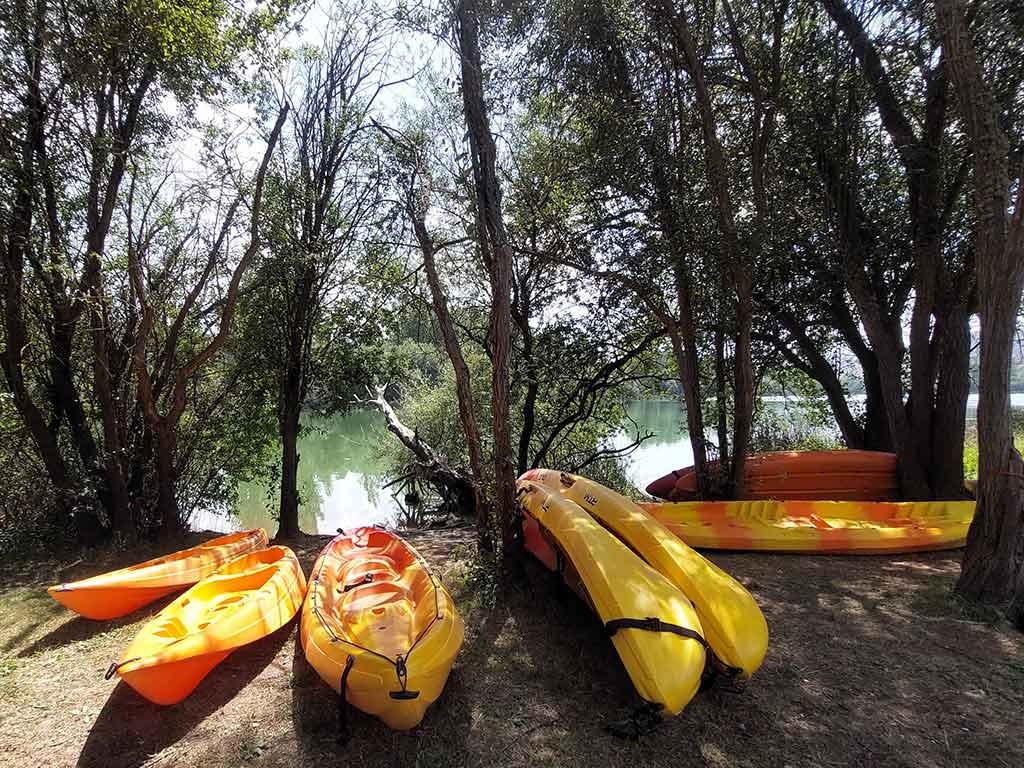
column 952, row 358
column 498, row 256
column 992, row 566
column 743, row 381
column 721, row 397
column 737, row 261
column 288, row 519
column 290, row 400
column 521, row 315
column 682, row 332
column 877, row 436
column 166, row 473
column 117, row 487
column 463, row 384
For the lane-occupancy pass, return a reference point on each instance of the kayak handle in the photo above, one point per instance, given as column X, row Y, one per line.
column 404, row 695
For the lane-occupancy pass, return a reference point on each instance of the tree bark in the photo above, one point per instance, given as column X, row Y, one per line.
column 463, row 383
column 737, row 260
column 913, row 424
column 288, row 518
column 446, row 480
column 167, row 478
column 953, row 359
column 498, row 257
column 291, row 396
column 17, row 246
column 993, row 564
column 521, row 315
column 682, row 329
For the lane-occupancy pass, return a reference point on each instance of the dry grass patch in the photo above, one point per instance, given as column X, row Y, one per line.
column 872, row 663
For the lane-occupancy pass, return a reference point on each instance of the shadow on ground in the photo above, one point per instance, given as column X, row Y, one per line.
column 871, row 662
column 76, row 629
column 130, row 730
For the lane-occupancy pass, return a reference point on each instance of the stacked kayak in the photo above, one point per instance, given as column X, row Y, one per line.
column 654, row 628
column 734, row 627
column 796, row 475
column 247, row 599
column 810, row 527
column 378, row 627
column 120, row 592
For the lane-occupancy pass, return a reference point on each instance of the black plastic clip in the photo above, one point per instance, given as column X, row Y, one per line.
column 365, row 580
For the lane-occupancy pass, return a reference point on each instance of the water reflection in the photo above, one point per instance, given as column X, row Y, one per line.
column 340, row 481
column 669, row 448
column 341, row 477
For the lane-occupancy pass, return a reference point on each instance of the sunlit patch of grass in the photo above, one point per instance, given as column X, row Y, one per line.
column 472, row 578
column 939, row 600
column 251, row 744
column 7, row 685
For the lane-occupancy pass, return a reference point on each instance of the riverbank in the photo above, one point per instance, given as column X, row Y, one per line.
column 871, row 662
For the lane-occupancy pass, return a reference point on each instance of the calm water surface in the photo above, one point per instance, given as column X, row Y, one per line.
column 341, row 476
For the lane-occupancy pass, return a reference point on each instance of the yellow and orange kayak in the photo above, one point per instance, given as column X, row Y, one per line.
column 245, row 600
column 120, row 592
column 811, row 527
column 380, row 628
column 840, row 475
column 653, row 626
column 733, row 623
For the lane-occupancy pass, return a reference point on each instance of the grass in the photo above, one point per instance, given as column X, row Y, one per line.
column 971, row 443
column 872, row 662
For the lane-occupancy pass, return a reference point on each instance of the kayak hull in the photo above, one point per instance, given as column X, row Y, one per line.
column 818, row 527
column 665, row 668
column 734, row 626
column 245, row 600
column 808, row 475
column 373, row 600
column 103, row 603
column 118, row 593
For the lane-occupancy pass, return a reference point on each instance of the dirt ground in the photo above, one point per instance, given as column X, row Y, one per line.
column 871, row 663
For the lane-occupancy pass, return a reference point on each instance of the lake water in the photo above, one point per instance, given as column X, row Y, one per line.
column 341, row 475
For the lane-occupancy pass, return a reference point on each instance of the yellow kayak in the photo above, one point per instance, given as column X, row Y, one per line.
column 818, row 527
column 733, row 623
column 378, row 627
column 245, row 600
column 653, row 627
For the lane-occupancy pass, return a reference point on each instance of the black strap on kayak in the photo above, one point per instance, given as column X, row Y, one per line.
column 344, row 734
column 112, row 669
column 403, row 679
column 653, row 624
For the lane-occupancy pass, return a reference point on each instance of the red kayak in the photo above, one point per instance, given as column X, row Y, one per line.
column 800, row 475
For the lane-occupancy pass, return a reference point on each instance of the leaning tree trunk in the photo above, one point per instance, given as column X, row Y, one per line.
column 463, row 381
column 498, row 255
column 429, row 467
column 993, row 563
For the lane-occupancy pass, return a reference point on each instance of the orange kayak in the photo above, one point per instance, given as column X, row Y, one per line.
column 378, row 627
column 120, row 592
column 818, row 527
column 838, row 475
column 247, row 599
